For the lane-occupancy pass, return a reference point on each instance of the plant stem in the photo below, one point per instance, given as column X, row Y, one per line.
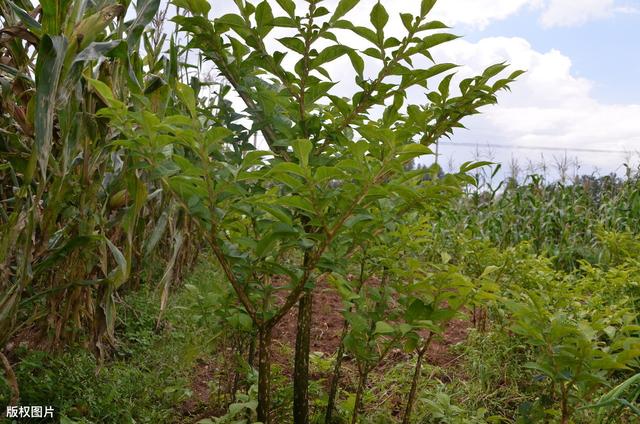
column 414, row 382
column 301, row 364
column 362, row 382
column 335, row 380
column 333, row 390
column 565, row 405
column 264, row 374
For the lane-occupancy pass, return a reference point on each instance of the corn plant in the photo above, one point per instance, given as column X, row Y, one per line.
column 76, row 219
column 562, row 220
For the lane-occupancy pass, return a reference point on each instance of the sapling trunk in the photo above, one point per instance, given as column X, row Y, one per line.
column 412, row 393
column 251, row 355
column 565, row 404
column 362, row 382
column 301, row 363
column 414, row 382
column 264, row 374
column 335, row 379
column 366, row 368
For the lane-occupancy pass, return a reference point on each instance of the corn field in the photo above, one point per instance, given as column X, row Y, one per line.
column 79, row 220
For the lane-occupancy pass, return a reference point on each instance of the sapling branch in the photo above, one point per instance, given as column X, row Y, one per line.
column 335, row 379
column 406, row 419
column 363, row 105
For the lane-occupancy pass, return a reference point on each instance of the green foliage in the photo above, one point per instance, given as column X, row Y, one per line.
column 147, row 381
column 565, row 221
column 284, row 213
column 115, row 151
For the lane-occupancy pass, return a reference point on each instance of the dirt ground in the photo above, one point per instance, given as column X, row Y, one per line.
column 328, row 324
column 325, row 338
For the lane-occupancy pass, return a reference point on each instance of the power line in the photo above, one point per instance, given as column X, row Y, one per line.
column 554, row 149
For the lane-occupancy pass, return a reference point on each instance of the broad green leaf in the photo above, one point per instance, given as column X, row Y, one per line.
column 216, row 134
column 231, row 20
column 433, row 25
column 283, row 22
column 543, row 368
column 384, row 328
column 415, row 150
column 470, row 166
column 289, row 6
column 344, row 6
column 97, row 50
column 489, row 270
column 494, row 70
column 196, row 7
column 157, row 233
column 296, row 202
column 264, row 16
column 325, row 173
column 31, row 24
column 436, row 39
column 145, row 11
column 426, row 6
column 266, row 244
column 293, row 43
column 425, row 74
column 357, row 61
column 302, row 148
column 120, row 274
column 289, row 167
column 329, row 54
column 277, row 212
column 379, row 17
column 254, row 157
column 52, row 16
column 364, row 32
column 407, row 20
column 356, row 219
column 48, row 69
column 188, row 98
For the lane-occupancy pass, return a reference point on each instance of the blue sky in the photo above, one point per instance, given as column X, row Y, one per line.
column 605, row 51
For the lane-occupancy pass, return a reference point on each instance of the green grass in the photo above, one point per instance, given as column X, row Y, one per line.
column 148, row 377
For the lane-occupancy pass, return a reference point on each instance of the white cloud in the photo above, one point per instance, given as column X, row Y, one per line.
column 553, row 13
column 566, row 13
column 479, row 13
column 548, row 107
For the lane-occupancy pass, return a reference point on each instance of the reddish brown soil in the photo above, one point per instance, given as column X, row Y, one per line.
column 325, row 338
column 327, row 329
column 204, row 373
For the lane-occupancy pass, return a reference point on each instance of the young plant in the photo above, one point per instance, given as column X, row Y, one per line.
column 432, row 294
column 271, row 216
column 576, row 353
